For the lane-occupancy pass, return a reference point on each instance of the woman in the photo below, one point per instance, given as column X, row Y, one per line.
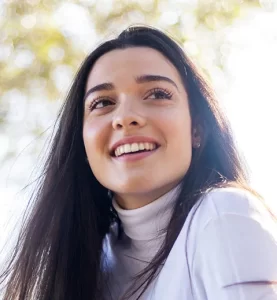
column 144, row 195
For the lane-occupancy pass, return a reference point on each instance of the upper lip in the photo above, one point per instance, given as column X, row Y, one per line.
column 132, row 139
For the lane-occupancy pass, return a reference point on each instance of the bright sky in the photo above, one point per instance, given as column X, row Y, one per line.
column 251, row 99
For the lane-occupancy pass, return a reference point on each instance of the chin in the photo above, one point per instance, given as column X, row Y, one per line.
column 139, row 187
column 133, row 188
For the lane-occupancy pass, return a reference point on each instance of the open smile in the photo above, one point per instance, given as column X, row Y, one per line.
column 133, row 148
column 134, row 156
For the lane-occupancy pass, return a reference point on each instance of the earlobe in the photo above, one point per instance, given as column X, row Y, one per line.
column 196, row 145
column 196, row 137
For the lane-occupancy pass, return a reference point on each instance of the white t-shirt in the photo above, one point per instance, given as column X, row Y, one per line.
column 229, row 239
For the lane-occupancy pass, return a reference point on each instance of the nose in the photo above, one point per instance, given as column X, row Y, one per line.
column 128, row 117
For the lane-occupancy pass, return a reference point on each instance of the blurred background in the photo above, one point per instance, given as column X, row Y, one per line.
column 43, row 42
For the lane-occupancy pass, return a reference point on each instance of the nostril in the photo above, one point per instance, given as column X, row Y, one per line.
column 134, row 123
column 121, row 125
column 124, row 123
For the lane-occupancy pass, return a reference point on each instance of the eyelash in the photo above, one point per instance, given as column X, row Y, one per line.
column 96, row 101
column 166, row 95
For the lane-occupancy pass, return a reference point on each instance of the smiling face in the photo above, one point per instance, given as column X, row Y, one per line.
column 135, row 97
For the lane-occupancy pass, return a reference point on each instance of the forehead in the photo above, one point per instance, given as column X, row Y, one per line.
column 131, row 62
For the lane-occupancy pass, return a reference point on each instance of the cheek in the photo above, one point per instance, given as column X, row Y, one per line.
column 176, row 128
column 175, row 125
column 95, row 139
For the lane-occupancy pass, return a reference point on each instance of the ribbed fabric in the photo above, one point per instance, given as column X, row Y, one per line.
column 147, row 222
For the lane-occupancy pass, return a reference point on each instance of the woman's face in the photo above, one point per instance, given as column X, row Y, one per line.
column 137, row 125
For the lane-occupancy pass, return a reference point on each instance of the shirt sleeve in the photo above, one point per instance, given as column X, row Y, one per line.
column 236, row 259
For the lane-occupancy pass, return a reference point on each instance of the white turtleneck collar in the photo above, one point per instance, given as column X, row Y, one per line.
column 149, row 221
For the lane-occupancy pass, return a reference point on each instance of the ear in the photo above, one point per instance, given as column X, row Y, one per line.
column 196, row 136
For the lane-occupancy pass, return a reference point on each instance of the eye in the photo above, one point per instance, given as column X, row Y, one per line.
column 159, row 93
column 100, row 103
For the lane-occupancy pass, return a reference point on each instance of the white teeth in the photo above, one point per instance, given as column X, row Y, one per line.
column 141, row 146
column 134, row 147
column 127, row 148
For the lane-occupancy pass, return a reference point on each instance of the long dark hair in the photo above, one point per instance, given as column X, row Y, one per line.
column 59, row 252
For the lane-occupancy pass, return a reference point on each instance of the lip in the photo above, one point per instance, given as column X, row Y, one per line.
column 135, row 156
column 132, row 139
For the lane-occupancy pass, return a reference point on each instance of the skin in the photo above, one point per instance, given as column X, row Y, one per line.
column 134, row 109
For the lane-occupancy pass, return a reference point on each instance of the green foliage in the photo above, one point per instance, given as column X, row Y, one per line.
column 29, row 28
column 43, row 42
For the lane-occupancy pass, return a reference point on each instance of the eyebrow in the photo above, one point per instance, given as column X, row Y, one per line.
column 149, row 78
column 108, row 86
column 100, row 87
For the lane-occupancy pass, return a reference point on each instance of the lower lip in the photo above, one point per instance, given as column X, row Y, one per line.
column 136, row 156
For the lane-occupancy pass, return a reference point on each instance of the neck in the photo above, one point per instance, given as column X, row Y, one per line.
column 137, row 200
column 150, row 221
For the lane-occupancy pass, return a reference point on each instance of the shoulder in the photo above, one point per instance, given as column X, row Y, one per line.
column 230, row 217
column 229, row 201
column 232, row 200
column 230, row 225
column 231, row 209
